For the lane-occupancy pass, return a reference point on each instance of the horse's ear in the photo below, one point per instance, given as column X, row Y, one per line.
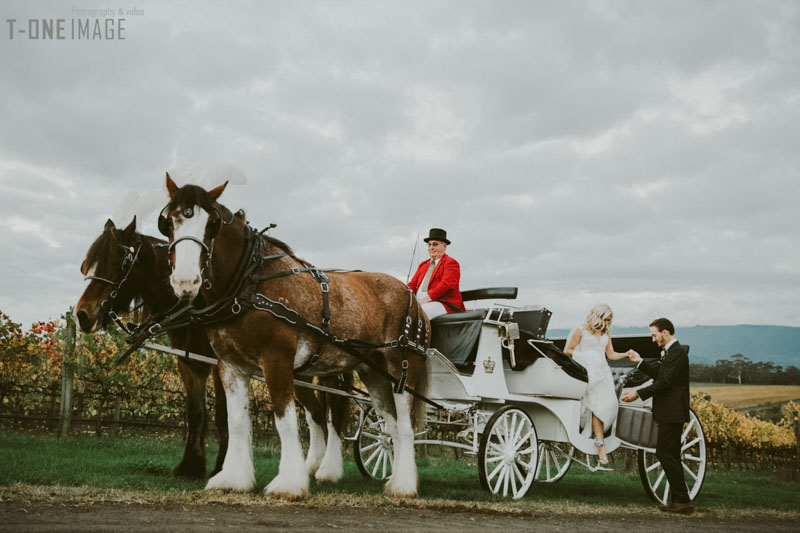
column 109, row 225
column 127, row 233
column 217, row 191
column 172, row 189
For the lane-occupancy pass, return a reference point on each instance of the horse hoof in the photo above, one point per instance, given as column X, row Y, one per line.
column 286, row 496
column 312, row 468
column 395, row 490
column 221, row 481
column 184, row 471
column 330, row 475
column 278, row 488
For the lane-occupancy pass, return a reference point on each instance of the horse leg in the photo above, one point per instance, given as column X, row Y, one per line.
column 384, row 402
column 193, row 462
column 292, row 479
column 404, row 478
column 220, row 419
column 332, row 468
column 237, row 470
column 315, row 417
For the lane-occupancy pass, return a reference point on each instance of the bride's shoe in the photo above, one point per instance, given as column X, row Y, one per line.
column 602, row 460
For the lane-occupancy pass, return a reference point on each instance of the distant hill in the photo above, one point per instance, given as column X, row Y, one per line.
column 778, row 344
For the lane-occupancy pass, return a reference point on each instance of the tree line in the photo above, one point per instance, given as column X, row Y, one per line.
column 740, row 369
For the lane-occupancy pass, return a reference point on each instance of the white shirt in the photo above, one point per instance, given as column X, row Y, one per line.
column 664, row 349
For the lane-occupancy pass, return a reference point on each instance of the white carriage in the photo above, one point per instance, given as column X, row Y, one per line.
column 513, row 399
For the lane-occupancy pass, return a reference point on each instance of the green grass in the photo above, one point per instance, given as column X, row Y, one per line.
column 143, row 464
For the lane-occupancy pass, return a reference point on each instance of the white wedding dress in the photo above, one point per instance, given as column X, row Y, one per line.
column 600, row 397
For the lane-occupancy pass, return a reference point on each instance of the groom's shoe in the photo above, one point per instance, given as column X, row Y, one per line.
column 681, row 508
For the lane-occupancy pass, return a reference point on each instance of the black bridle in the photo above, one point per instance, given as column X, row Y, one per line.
column 165, row 228
column 128, row 262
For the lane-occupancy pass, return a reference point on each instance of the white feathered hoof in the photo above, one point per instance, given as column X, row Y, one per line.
column 398, row 489
column 330, row 472
column 288, row 489
column 225, row 480
column 313, row 464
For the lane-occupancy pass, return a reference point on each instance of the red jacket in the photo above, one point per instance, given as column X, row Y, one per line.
column 443, row 285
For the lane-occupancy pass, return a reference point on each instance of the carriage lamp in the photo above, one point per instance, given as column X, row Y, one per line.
column 508, row 333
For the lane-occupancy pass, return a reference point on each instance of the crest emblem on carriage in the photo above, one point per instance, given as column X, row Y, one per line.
column 488, row 365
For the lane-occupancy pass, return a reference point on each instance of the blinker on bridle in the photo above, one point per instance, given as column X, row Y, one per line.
column 165, row 227
column 129, row 261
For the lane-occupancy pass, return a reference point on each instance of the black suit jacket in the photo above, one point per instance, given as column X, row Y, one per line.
column 670, row 387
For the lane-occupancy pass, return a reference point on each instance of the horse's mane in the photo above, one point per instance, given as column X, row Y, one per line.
column 271, row 240
column 280, row 244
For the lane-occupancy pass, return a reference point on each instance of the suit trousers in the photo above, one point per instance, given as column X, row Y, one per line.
column 668, row 451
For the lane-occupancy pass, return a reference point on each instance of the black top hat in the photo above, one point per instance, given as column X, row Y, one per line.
column 437, row 234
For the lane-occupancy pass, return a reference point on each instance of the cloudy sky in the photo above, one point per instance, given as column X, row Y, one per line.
column 643, row 154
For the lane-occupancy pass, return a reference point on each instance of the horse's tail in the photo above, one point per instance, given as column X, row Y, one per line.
column 418, row 405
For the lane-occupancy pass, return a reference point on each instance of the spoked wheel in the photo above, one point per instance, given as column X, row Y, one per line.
column 373, row 448
column 555, row 458
column 508, row 453
column 693, row 459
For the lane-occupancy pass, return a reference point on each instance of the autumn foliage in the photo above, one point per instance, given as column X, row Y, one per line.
column 31, row 363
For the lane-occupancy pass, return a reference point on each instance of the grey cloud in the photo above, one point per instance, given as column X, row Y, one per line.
column 637, row 153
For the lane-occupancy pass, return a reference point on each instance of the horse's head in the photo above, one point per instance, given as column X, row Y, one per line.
column 107, row 267
column 190, row 220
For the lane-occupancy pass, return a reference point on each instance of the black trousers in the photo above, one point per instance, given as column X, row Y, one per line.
column 668, row 451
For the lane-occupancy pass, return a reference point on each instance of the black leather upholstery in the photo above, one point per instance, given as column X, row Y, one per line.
column 508, row 293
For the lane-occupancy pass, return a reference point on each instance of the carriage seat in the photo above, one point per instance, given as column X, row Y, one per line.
column 456, row 336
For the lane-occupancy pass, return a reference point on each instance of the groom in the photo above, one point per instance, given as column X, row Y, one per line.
column 670, row 393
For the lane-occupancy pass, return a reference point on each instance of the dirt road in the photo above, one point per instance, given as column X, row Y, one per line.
column 19, row 516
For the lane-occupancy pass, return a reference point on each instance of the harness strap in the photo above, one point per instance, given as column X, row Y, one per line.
column 184, row 313
column 350, row 346
column 241, row 294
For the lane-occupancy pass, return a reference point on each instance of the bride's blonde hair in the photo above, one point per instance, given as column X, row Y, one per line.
column 599, row 319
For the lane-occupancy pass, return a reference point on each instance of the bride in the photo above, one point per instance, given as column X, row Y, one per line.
column 589, row 345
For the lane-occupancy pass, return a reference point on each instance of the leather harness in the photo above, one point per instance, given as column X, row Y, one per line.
column 242, row 295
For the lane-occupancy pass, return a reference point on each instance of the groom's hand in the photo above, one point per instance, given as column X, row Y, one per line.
column 634, row 356
column 629, row 396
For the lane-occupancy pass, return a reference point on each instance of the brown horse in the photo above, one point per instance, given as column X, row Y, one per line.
column 124, row 266
column 208, row 245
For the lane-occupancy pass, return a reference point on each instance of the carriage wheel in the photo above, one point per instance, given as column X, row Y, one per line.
column 508, row 453
column 693, row 459
column 555, row 458
column 373, row 448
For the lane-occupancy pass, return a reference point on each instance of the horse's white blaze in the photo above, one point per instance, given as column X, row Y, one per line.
column 404, row 476
column 292, row 478
column 91, row 272
column 185, row 279
column 331, row 468
column 316, row 445
column 237, row 471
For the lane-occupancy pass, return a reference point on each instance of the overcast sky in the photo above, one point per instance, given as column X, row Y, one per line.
column 643, row 154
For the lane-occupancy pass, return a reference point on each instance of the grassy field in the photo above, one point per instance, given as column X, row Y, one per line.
column 95, row 464
column 746, row 396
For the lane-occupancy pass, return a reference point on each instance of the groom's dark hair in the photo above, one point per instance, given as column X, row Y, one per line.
column 662, row 324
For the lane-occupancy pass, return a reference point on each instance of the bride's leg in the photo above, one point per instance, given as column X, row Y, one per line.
column 597, row 426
